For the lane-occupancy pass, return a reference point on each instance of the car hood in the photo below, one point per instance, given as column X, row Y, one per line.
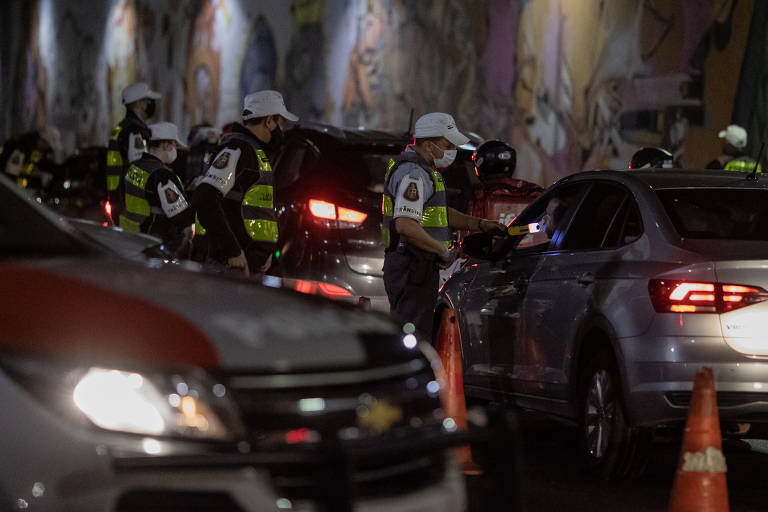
column 117, row 312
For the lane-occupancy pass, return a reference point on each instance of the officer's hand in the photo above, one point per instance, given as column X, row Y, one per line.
column 493, row 227
column 240, row 262
column 446, row 258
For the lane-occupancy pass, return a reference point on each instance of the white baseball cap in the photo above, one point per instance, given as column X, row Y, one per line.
column 165, row 131
column 137, row 91
column 735, row 135
column 438, row 124
column 265, row 103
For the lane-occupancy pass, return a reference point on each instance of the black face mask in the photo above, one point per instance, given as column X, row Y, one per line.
column 277, row 137
column 149, row 110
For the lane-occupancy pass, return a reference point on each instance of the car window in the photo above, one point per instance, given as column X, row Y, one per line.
column 598, row 211
column 26, row 232
column 717, row 213
column 290, row 162
column 627, row 225
column 549, row 215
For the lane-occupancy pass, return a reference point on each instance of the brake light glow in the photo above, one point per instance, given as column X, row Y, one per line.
column 672, row 296
column 353, row 216
column 324, row 211
column 331, row 290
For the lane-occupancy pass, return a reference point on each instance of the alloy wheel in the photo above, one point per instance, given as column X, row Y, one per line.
column 600, row 413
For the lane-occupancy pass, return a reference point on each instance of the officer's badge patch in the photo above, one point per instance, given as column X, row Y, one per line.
column 222, row 161
column 171, row 196
column 411, row 192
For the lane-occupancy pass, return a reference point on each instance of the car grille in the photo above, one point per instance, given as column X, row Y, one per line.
column 724, row 398
column 172, row 501
column 344, row 412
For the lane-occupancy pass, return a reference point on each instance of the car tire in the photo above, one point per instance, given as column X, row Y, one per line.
column 609, row 446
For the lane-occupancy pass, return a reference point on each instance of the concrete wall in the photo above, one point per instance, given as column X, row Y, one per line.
column 572, row 84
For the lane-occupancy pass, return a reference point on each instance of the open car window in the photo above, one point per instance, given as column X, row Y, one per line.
column 549, row 217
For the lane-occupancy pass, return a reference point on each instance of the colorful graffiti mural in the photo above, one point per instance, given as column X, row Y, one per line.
column 572, row 85
column 30, row 80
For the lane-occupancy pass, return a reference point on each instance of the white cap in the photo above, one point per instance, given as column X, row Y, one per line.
column 437, row 124
column 137, row 91
column 265, row 103
column 735, row 135
column 165, row 131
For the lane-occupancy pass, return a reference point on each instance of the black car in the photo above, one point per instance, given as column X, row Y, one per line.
column 328, row 184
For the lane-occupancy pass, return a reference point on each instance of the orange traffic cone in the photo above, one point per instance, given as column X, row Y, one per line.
column 448, row 346
column 700, row 484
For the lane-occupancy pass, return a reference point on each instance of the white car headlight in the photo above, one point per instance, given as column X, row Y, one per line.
column 183, row 405
column 132, row 402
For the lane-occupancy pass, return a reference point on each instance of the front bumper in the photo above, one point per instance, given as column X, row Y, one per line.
column 659, row 375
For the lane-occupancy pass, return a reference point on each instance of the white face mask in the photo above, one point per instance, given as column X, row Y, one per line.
column 449, row 155
column 172, row 156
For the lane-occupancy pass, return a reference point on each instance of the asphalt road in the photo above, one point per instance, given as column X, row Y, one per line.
column 550, row 478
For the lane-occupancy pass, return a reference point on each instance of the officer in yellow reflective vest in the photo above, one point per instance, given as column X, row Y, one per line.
column 128, row 140
column 154, row 195
column 29, row 159
column 417, row 223
column 235, row 199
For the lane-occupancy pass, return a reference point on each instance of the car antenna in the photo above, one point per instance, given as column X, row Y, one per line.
column 409, row 131
column 753, row 175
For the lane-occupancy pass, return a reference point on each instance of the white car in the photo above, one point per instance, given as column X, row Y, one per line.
column 126, row 388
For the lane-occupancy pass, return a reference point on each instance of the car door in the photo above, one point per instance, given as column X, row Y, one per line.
column 495, row 296
column 568, row 283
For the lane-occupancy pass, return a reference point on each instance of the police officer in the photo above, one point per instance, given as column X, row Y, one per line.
column 128, row 141
column 154, row 195
column 29, row 159
column 235, row 199
column 734, row 157
column 417, row 223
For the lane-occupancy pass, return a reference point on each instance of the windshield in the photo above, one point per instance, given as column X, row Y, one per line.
column 717, row 213
column 26, row 232
column 358, row 169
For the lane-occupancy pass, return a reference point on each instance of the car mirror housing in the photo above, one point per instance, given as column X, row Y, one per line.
column 478, row 245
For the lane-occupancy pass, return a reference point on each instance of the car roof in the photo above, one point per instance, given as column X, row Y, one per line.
column 362, row 136
column 354, row 137
column 659, row 179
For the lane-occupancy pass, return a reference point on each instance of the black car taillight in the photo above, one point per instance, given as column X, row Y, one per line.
column 673, row 296
column 329, row 215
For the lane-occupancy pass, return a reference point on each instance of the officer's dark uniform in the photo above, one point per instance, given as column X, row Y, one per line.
column 127, row 143
column 155, row 202
column 411, row 275
column 235, row 201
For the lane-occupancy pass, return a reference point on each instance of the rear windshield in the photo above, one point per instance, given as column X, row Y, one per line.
column 717, row 213
column 355, row 168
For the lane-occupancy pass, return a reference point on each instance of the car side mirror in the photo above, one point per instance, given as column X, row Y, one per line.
column 478, row 245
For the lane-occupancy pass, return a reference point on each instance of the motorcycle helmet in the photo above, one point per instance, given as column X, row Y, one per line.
column 494, row 158
column 651, row 158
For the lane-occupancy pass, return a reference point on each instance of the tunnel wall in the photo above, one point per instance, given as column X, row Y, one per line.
column 571, row 84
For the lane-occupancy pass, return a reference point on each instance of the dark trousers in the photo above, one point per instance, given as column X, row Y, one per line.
column 411, row 278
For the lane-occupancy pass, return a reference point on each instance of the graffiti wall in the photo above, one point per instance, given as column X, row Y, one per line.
column 573, row 85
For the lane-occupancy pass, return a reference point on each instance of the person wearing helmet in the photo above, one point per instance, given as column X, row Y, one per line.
column 234, row 200
column 651, row 157
column 494, row 159
column 128, row 141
